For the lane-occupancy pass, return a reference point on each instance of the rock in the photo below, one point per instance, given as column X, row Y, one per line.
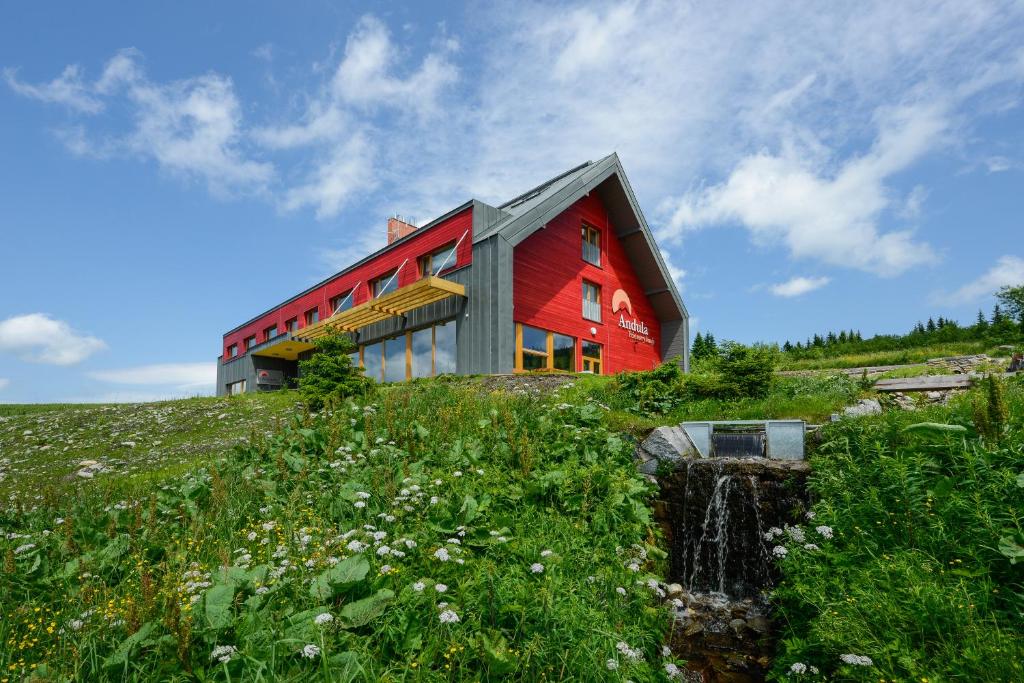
column 865, row 406
column 674, row 590
column 758, row 623
column 85, row 474
column 664, row 445
column 737, row 625
column 693, row 628
column 88, row 463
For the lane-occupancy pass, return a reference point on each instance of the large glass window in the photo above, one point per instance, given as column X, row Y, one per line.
column 384, row 284
column 591, row 301
column 444, row 348
column 591, row 357
column 564, row 352
column 372, row 360
column 534, row 348
column 423, row 352
column 591, row 245
column 394, row 359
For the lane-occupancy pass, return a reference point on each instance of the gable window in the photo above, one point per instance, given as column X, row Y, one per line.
column 342, row 302
column 250, row 342
column 312, row 316
column 384, row 284
column 233, row 351
column 292, row 325
column 270, row 333
column 591, row 301
column 591, row 357
column 442, row 259
column 591, row 244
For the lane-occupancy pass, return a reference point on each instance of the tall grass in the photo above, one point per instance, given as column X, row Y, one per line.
column 919, row 576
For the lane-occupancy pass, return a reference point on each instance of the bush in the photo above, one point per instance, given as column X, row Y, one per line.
column 655, row 391
column 738, row 371
column 330, row 374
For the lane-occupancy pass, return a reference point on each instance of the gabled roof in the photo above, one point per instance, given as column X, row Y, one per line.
column 519, row 218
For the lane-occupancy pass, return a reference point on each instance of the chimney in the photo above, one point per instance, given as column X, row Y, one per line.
column 398, row 228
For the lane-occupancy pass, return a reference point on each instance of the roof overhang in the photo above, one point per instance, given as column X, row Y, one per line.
column 288, row 348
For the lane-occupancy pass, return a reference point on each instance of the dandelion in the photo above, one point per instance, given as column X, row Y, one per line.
column 536, row 568
column 311, row 651
column 223, row 653
column 448, row 617
column 798, row 668
column 857, row 660
column 825, row 531
column 419, row 586
column 323, row 618
column 780, row 551
column 442, row 554
column 440, row 587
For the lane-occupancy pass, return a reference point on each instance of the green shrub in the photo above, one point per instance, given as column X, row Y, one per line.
column 655, row 391
column 738, row 371
column 330, row 373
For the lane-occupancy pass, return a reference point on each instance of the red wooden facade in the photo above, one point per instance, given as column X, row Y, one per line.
column 441, row 235
column 548, row 271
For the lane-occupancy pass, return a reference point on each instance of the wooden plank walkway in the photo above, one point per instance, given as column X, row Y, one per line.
column 925, row 383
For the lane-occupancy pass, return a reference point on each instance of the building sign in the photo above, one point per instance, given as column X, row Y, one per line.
column 274, row 378
column 636, row 329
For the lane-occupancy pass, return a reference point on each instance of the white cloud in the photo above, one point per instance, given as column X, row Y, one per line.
column 3, row 383
column 1007, row 271
column 798, row 285
column 182, row 375
column 340, row 176
column 68, row 89
column 191, row 127
column 998, row 164
column 39, row 338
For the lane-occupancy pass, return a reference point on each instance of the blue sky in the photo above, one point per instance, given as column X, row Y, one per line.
column 171, row 172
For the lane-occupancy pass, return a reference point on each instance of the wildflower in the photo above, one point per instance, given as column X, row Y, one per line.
column 311, row 651
column 223, row 653
column 76, row 624
column 620, row 590
column 796, row 533
column 448, row 617
column 545, row 553
column 267, row 526
column 810, row 546
column 440, row 587
column 810, row 514
column 627, row 651
column 536, row 568
column 442, row 554
column 251, row 535
column 780, row 551
column 666, row 651
column 633, row 567
column 419, row 586
column 457, row 473
column 383, row 550
column 825, row 531
column 857, row 660
column 323, row 618
column 672, row 670
column 356, row 546
column 380, row 535
column 798, row 668
column 24, row 548
column 433, row 500
column 612, row 665
column 261, row 590
column 442, row 605
column 359, row 504
column 772, row 533
column 386, row 569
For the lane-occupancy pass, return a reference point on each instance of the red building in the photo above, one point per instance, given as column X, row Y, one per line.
column 563, row 277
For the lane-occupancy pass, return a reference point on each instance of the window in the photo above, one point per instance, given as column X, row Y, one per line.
column 250, row 342
column 538, row 349
column 432, row 264
column 235, row 388
column 342, row 302
column 269, row 333
column 233, row 351
column 591, row 245
column 421, row 353
column 312, row 316
column 591, row 301
column 292, row 325
column 591, row 357
column 384, row 284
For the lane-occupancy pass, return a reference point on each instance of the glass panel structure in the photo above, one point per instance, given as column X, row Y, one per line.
column 444, row 348
column 591, row 301
column 372, row 357
column 442, row 259
column 535, row 340
column 341, row 303
column 394, row 359
column 565, row 353
column 591, row 357
column 422, row 352
column 384, row 284
column 591, row 245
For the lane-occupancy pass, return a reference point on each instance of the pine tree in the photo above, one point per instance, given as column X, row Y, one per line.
column 787, row 347
column 940, row 323
column 997, row 315
column 981, row 323
column 830, row 339
column 842, row 337
column 931, row 325
column 818, row 341
column 710, row 345
column 698, row 348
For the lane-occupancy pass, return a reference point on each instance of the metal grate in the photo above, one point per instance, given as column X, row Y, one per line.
column 738, row 445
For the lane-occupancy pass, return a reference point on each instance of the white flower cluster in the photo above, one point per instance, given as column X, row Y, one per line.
column 780, row 551
column 223, row 653
column 323, row 618
column 799, row 668
column 448, row 617
column 629, row 652
column 857, row 660
column 536, row 568
column 825, row 531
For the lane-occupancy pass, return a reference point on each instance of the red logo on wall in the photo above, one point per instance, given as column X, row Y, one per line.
column 621, row 300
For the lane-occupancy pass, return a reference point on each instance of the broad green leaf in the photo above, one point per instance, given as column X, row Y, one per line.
column 934, row 428
column 1009, row 547
column 362, row 612
column 468, row 510
column 218, row 605
column 349, row 570
column 124, row 650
